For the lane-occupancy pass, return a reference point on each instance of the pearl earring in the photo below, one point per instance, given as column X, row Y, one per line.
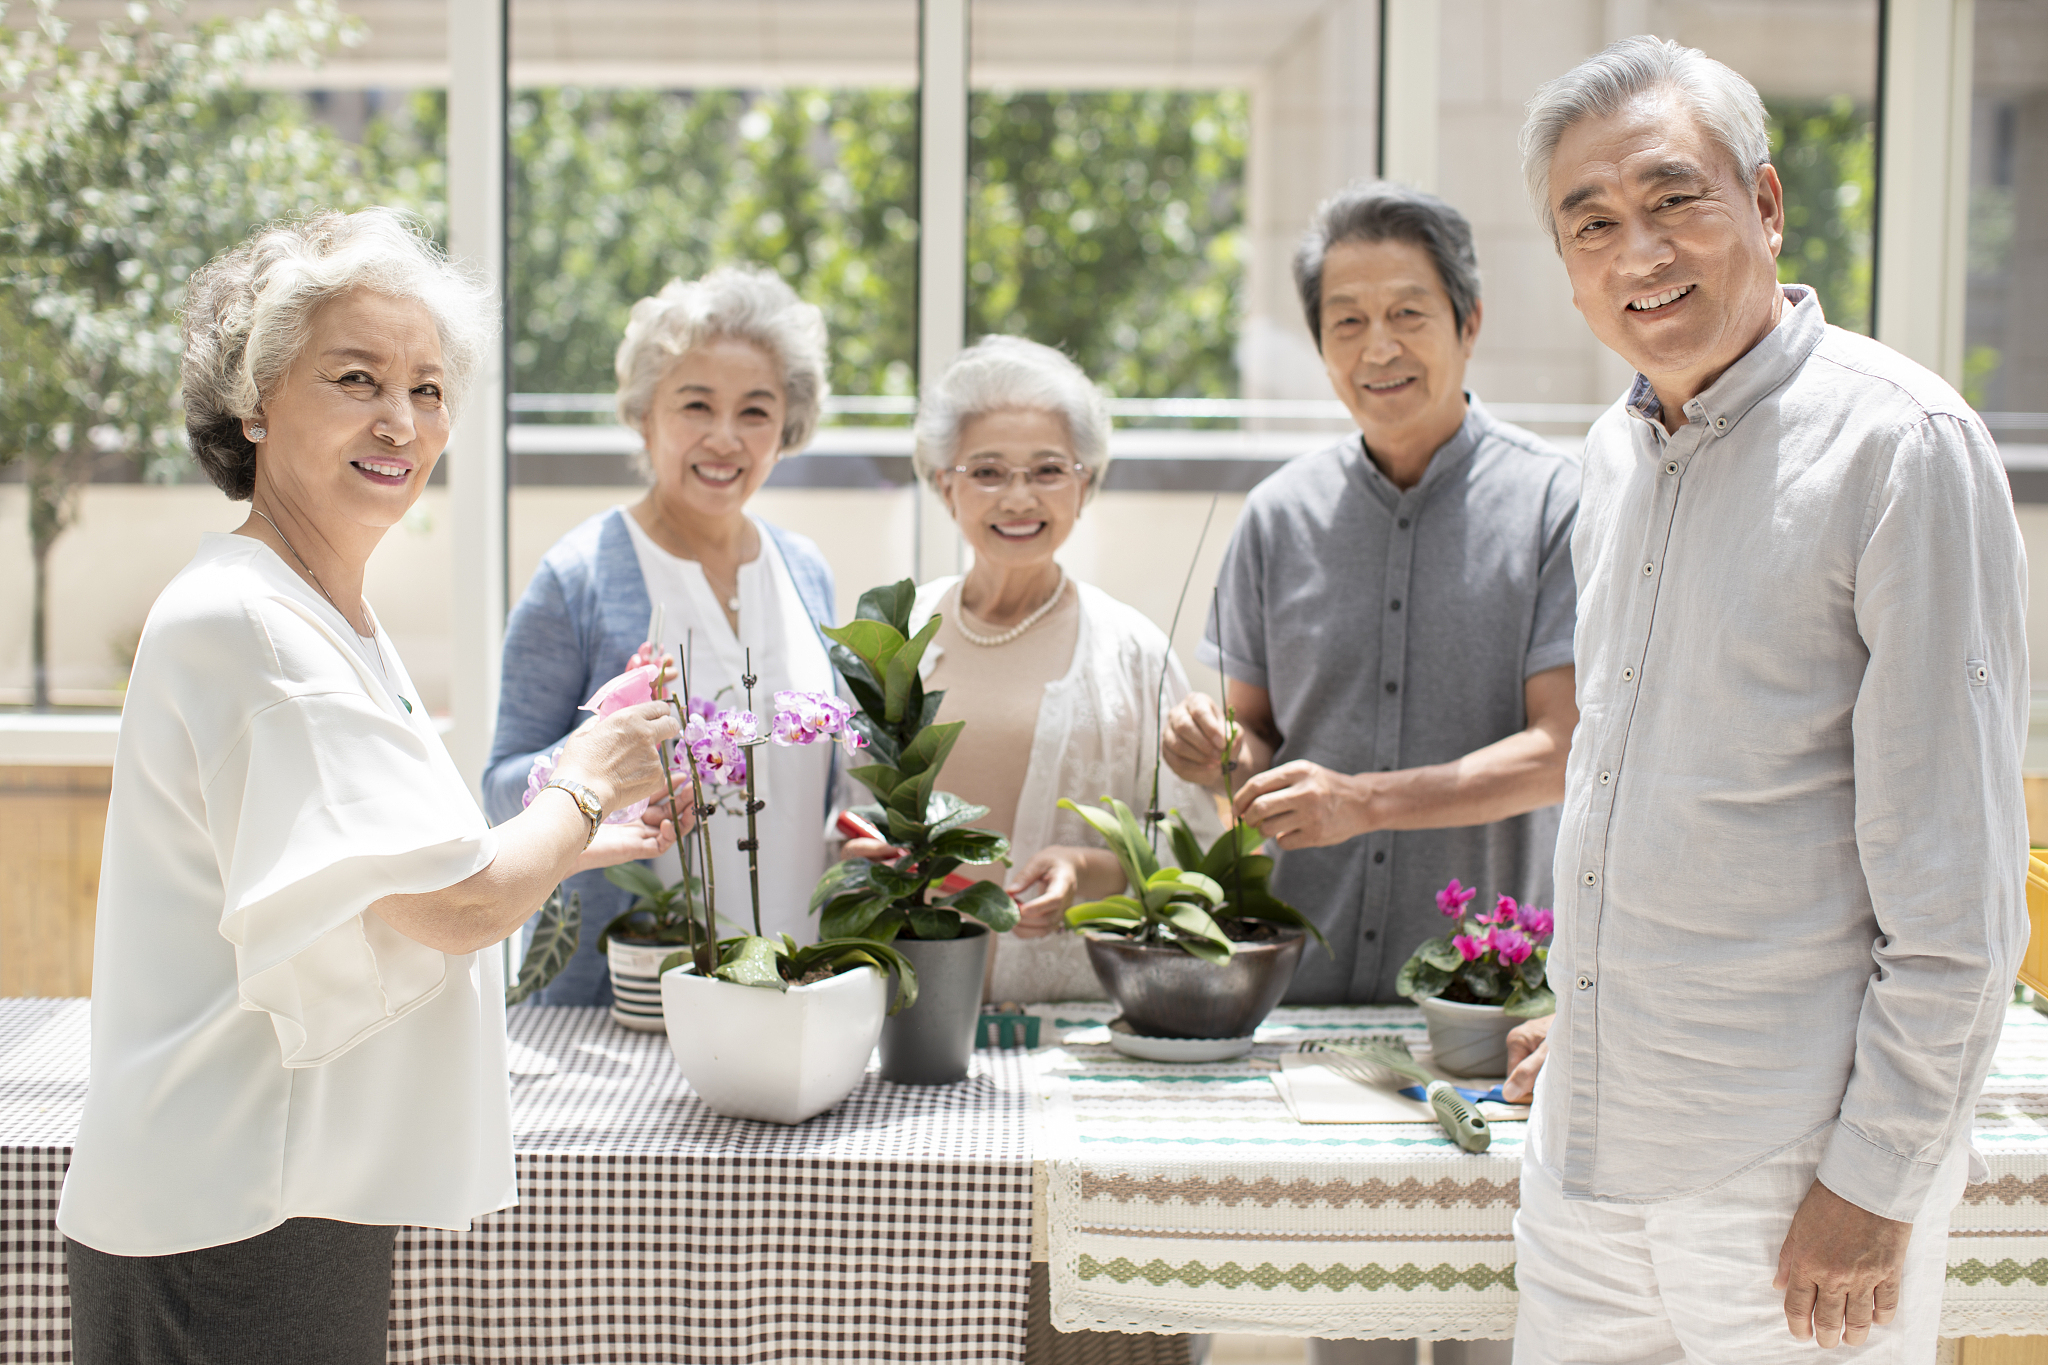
column 257, row 433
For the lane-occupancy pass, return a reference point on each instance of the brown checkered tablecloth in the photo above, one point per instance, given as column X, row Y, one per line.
column 895, row 1228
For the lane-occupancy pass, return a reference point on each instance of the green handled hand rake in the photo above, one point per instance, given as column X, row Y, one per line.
column 1362, row 1061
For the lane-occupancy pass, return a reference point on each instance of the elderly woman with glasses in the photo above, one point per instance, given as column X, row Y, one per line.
column 721, row 377
column 298, row 1015
column 1059, row 682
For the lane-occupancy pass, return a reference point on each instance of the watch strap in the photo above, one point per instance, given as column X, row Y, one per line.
column 586, row 801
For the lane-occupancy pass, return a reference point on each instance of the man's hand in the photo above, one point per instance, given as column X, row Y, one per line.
column 1528, row 1050
column 1193, row 740
column 1840, row 1269
column 1305, row 805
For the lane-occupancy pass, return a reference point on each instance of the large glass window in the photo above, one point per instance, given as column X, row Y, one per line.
column 2005, row 321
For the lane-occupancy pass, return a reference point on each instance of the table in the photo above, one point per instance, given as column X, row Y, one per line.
column 900, row 1227
column 1185, row 1198
column 896, row 1228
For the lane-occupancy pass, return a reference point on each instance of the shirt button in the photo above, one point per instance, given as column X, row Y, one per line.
column 1585, row 983
column 1403, row 523
column 1380, row 856
column 1649, row 570
column 1671, row 466
column 1628, row 675
column 1720, row 424
column 1371, row 934
column 1397, row 604
column 1605, row 778
column 1983, row 673
column 1393, row 687
column 1590, row 878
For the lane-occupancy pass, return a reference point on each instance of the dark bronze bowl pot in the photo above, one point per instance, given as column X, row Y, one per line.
column 1167, row 993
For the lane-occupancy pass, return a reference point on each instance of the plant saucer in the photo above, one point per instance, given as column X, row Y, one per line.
column 1146, row 1048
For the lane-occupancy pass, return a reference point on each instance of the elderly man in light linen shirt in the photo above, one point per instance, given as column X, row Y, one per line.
column 1790, row 867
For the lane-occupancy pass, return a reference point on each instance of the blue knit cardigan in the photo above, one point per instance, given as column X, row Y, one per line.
column 580, row 620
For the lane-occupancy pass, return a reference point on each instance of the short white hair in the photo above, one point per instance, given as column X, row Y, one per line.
column 1010, row 374
column 1728, row 108
column 249, row 313
column 737, row 303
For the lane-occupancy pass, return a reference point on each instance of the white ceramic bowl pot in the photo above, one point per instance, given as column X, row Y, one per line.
column 779, row 1056
column 636, row 991
column 1468, row 1040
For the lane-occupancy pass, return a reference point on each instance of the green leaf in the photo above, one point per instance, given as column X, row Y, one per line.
column 1187, row 851
column 1137, row 863
column 1194, row 882
column 751, row 961
column 985, row 901
column 1419, row 980
column 554, row 943
column 637, row 878
column 872, row 642
column 848, row 954
column 890, row 603
column 969, row 846
column 931, row 924
column 1134, row 836
column 878, row 778
column 671, row 962
column 1207, row 949
column 1533, row 1004
column 1111, row 909
column 848, row 876
column 927, row 753
column 1442, row 954
column 902, row 675
column 851, row 916
column 929, row 711
column 948, row 812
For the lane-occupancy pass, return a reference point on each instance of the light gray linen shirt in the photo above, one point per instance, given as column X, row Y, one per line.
column 1393, row 628
column 1791, row 867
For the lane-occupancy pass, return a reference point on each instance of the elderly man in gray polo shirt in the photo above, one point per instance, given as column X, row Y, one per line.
column 1791, row 865
column 1396, row 614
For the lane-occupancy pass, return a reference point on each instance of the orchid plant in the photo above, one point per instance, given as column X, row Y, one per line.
column 1494, row 957
column 709, row 770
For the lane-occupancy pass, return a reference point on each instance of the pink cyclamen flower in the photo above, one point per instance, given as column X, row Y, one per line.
column 1504, row 910
column 1535, row 921
column 1512, row 945
column 1469, row 947
column 630, row 688
column 1453, row 899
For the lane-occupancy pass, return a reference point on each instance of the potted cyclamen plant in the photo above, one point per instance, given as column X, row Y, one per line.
column 946, row 935
column 1480, row 980
column 761, row 1028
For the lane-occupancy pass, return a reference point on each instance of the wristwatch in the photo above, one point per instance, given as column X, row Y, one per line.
column 586, row 801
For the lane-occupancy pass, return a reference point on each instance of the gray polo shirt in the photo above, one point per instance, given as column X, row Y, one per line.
column 1392, row 630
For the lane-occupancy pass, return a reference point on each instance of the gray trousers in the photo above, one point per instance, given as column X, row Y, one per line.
column 309, row 1291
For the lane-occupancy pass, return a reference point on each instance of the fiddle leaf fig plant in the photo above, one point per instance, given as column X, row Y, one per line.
column 878, row 655
column 1187, row 907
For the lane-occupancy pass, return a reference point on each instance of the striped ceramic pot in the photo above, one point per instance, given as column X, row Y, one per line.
column 636, row 984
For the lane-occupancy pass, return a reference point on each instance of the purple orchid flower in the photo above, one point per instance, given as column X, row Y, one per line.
column 808, row 717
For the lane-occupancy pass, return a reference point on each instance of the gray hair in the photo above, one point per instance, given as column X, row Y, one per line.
column 1728, row 108
column 737, row 303
column 249, row 313
column 1380, row 211
column 1008, row 374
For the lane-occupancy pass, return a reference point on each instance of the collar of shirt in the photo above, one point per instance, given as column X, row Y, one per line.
column 1449, row 457
column 1742, row 385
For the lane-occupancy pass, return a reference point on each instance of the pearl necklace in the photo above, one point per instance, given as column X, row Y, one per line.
column 991, row 641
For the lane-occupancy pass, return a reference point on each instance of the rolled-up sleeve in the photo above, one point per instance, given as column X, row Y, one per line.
column 326, row 804
column 1939, row 729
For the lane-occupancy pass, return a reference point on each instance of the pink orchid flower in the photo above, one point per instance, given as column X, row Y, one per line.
column 1514, row 948
column 1453, row 899
column 1469, row 947
column 630, row 688
column 1535, row 921
column 808, row 717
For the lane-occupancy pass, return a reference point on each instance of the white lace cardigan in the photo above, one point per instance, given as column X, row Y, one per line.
column 1097, row 729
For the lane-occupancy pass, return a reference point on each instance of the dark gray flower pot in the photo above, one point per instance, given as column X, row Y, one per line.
column 1167, row 993
column 930, row 1043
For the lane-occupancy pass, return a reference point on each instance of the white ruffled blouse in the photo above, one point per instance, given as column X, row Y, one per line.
column 263, row 1048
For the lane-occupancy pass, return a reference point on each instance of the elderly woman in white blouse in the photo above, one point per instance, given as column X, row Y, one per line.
column 298, row 1008
column 1058, row 682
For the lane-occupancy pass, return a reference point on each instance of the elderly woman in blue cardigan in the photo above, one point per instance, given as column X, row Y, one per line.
column 721, row 376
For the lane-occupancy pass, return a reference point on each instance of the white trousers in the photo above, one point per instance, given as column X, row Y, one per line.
column 1689, row 1280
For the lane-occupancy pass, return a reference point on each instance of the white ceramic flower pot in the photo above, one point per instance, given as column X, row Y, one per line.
column 1468, row 1040
column 636, row 989
column 779, row 1056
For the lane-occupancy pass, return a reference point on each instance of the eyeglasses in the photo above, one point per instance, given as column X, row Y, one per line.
column 1048, row 476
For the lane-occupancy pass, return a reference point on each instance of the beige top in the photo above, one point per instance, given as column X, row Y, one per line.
column 997, row 690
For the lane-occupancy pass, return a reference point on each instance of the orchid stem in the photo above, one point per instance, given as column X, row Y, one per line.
column 706, row 949
column 1152, row 811
column 1229, row 763
column 753, row 843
